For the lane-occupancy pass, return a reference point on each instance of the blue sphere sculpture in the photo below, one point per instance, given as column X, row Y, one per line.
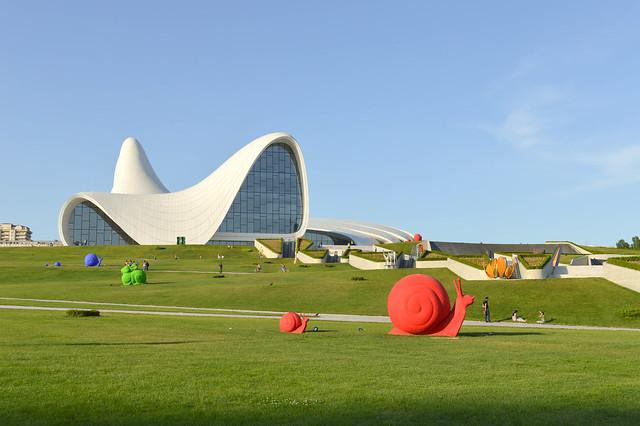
column 91, row 260
column 58, row 264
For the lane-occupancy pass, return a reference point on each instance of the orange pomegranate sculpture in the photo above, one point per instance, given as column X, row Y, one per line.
column 292, row 322
column 418, row 305
column 498, row 268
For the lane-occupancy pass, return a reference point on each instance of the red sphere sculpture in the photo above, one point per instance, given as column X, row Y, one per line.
column 417, row 237
column 419, row 304
column 292, row 322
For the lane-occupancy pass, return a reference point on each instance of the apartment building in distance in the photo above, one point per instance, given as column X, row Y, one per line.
column 11, row 232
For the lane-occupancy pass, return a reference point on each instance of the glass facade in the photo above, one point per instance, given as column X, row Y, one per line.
column 89, row 226
column 323, row 239
column 230, row 243
column 270, row 198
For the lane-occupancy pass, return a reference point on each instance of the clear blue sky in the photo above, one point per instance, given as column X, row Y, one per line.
column 467, row 121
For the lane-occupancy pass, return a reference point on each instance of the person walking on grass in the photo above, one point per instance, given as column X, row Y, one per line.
column 485, row 309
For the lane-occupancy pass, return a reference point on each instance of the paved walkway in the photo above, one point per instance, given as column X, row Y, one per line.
column 245, row 313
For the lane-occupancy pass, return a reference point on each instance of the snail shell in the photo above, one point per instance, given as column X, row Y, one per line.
column 417, row 303
column 290, row 322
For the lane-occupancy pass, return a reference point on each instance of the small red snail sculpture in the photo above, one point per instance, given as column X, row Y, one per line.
column 419, row 305
column 292, row 322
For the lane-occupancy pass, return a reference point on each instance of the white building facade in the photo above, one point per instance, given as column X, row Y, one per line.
column 260, row 192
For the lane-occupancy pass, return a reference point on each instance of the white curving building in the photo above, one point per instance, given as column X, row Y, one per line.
column 259, row 192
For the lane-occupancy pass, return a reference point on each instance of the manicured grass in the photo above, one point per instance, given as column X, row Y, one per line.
column 432, row 255
column 304, row 244
column 316, row 254
column 478, row 262
column 567, row 258
column 632, row 262
column 326, row 288
column 610, row 250
column 406, row 247
column 273, row 245
column 373, row 256
column 534, row 261
column 125, row 369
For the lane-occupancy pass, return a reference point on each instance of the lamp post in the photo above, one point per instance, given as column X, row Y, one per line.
column 220, row 259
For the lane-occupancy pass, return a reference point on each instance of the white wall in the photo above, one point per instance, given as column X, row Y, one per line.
column 625, row 277
column 360, row 263
column 266, row 251
column 305, row 258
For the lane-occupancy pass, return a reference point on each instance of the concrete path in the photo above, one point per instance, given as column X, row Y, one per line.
column 245, row 313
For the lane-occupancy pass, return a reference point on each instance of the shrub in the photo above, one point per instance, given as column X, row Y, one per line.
column 358, row 278
column 76, row 313
column 630, row 313
column 302, row 265
column 329, row 265
column 218, row 276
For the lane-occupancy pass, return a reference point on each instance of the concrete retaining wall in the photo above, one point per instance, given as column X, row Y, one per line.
column 465, row 271
column 305, row 258
column 433, row 264
column 460, row 269
column 266, row 251
column 577, row 271
column 360, row 263
column 625, row 277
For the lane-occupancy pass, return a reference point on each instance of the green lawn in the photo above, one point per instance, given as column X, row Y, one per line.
column 326, row 288
column 567, row 258
column 610, row 250
column 129, row 369
column 125, row 369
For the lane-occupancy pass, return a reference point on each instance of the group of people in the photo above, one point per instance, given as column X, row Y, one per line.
column 133, row 263
column 283, row 267
column 515, row 317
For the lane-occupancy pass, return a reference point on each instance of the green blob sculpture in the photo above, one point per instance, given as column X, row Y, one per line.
column 139, row 277
column 131, row 275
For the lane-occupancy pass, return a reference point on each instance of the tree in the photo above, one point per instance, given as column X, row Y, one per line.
column 622, row 244
column 636, row 242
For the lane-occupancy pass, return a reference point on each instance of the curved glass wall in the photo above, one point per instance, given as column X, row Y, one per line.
column 89, row 226
column 270, row 198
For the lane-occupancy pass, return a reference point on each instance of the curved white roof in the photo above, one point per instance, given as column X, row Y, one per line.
column 134, row 173
column 143, row 208
column 361, row 233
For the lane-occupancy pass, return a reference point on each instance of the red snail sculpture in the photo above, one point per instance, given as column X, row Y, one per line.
column 292, row 322
column 419, row 305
